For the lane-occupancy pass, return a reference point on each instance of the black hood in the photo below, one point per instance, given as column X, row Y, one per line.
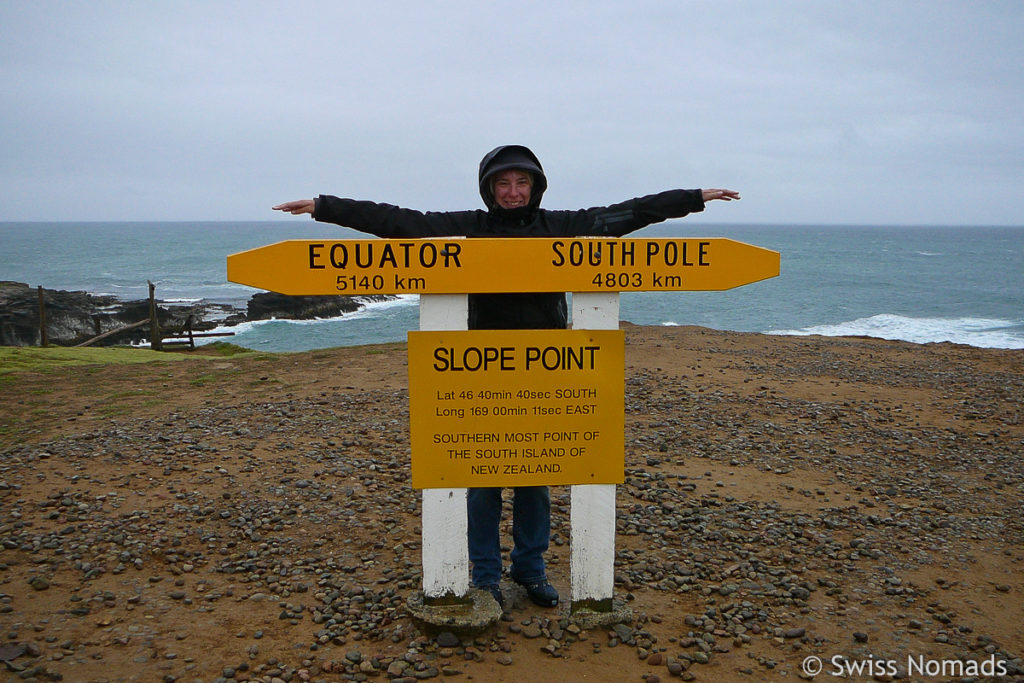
column 506, row 157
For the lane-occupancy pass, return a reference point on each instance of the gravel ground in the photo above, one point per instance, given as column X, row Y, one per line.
column 850, row 502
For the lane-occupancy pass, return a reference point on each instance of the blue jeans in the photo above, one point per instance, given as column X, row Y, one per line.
column 531, row 530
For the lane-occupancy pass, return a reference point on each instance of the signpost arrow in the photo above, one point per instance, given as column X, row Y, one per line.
column 501, row 265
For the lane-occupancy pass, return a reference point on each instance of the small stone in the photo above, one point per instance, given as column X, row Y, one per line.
column 860, row 636
column 625, row 633
column 794, row 633
column 532, row 631
column 447, row 639
column 12, row 651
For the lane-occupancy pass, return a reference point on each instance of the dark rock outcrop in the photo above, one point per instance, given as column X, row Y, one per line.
column 74, row 317
column 267, row 305
column 19, row 313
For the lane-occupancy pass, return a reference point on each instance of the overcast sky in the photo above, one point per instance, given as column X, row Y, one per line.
column 818, row 112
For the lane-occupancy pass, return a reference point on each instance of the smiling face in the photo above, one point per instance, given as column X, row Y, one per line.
column 512, row 188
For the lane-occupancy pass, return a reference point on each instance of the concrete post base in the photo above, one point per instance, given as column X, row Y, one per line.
column 584, row 616
column 466, row 617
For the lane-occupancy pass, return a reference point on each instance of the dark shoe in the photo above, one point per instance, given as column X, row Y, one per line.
column 495, row 591
column 541, row 593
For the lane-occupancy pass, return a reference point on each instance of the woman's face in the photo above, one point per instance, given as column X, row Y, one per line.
column 512, row 188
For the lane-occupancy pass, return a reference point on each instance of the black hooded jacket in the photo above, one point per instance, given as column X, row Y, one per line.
column 510, row 311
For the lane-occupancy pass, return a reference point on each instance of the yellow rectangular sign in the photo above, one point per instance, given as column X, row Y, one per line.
column 496, row 265
column 516, row 407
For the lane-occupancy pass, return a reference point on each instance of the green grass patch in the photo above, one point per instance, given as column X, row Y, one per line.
column 117, row 410
column 228, row 349
column 39, row 359
column 130, row 394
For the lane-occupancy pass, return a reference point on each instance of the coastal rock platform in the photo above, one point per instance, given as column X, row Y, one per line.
column 73, row 317
column 790, row 502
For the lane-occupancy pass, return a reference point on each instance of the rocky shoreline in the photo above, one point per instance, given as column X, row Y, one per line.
column 850, row 502
column 75, row 317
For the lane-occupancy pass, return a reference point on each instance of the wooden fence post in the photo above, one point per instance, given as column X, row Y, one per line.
column 155, row 342
column 44, row 340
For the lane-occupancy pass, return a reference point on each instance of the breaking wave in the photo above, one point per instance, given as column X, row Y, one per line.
column 980, row 332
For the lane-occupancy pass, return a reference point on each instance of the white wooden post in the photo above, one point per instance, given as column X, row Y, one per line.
column 445, row 549
column 592, row 506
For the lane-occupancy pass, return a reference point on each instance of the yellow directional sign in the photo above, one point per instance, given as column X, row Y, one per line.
column 497, row 265
column 516, row 407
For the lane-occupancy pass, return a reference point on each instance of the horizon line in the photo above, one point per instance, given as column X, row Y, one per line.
column 795, row 224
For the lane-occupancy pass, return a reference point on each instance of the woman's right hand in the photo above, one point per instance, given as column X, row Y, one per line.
column 299, row 206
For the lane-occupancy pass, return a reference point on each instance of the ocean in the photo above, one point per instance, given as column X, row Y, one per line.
column 915, row 283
